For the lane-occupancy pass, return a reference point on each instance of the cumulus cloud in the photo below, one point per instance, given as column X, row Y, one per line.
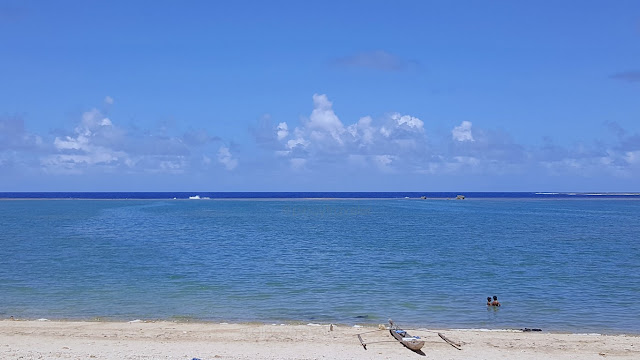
column 402, row 130
column 400, row 143
column 323, row 136
column 97, row 144
column 226, row 158
column 408, row 121
column 462, row 132
column 393, row 143
column 283, row 130
column 492, row 148
column 324, row 121
column 88, row 145
column 299, row 142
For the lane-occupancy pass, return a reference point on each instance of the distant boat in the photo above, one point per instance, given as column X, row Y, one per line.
column 411, row 342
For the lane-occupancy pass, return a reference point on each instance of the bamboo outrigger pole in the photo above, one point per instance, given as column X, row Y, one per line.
column 362, row 342
column 457, row 346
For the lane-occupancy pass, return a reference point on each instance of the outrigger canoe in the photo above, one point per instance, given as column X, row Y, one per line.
column 411, row 342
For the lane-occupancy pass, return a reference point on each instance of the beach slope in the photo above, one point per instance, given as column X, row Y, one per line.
column 169, row 340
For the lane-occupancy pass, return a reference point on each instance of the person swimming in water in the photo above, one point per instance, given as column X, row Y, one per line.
column 495, row 301
column 488, row 300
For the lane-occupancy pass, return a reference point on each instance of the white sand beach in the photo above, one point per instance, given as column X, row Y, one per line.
column 169, row 340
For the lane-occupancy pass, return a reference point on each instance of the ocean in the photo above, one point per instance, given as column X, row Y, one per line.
column 559, row 262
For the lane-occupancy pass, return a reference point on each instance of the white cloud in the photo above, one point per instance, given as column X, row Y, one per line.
column 394, row 143
column 96, row 144
column 108, row 100
column 407, row 120
column 462, row 132
column 69, row 143
column 283, row 130
column 293, row 143
column 86, row 147
column 92, row 121
column 226, row 158
column 399, row 143
column 323, row 119
column 323, row 136
column 92, row 125
column 402, row 126
column 362, row 130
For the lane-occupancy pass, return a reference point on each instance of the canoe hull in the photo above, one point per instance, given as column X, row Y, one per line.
column 411, row 342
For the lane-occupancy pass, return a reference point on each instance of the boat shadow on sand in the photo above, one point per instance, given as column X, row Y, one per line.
column 419, row 352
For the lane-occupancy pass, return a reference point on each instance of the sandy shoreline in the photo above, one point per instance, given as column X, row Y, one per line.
column 169, row 340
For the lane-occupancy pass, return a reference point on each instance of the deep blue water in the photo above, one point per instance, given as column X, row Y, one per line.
column 567, row 264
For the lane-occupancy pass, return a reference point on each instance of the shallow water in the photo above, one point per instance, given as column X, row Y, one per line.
column 567, row 265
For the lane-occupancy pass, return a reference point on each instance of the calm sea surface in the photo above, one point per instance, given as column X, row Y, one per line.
column 556, row 264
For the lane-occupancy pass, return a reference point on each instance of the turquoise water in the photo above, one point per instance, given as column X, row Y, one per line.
column 566, row 265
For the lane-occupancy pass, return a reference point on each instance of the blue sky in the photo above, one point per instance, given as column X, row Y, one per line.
column 330, row 96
